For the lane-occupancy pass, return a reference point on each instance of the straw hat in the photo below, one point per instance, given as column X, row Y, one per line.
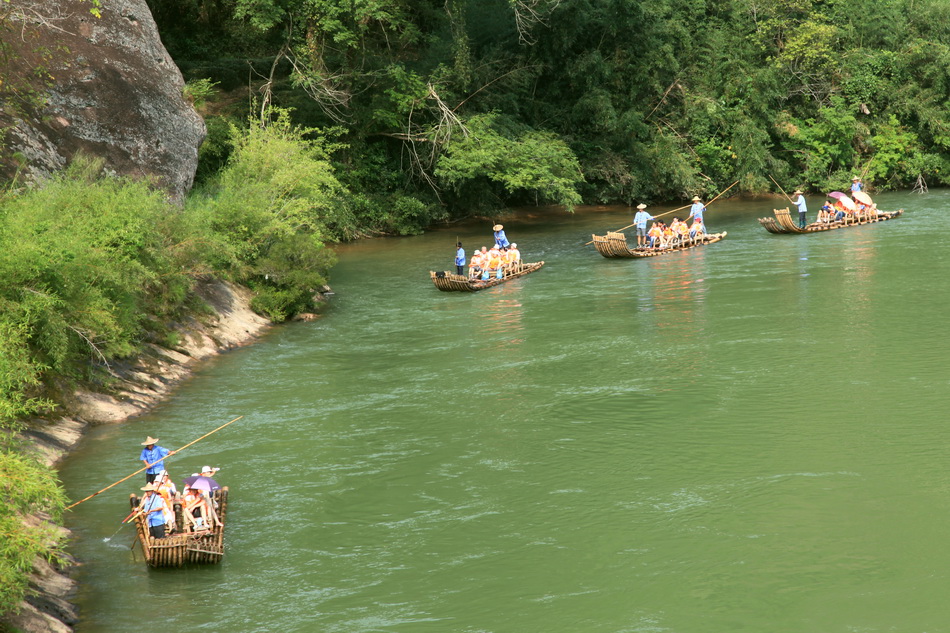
column 641, row 206
column 148, row 488
column 797, row 191
column 695, row 198
column 150, row 440
column 855, row 178
column 497, row 227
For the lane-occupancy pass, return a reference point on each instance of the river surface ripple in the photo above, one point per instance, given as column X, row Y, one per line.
column 748, row 436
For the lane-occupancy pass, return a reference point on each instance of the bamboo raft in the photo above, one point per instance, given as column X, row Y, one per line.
column 181, row 548
column 784, row 223
column 450, row 282
column 614, row 245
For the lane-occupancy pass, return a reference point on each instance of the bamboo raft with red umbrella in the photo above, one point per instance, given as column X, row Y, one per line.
column 450, row 282
column 614, row 245
column 783, row 222
column 184, row 545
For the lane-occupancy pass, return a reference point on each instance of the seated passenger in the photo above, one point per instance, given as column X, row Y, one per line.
column 495, row 264
column 166, row 488
column 667, row 237
column 196, row 509
column 697, row 230
column 514, row 255
column 656, row 235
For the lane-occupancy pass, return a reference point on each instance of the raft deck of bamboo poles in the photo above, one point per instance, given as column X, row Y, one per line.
column 783, row 222
column 614, row 245
column 181, row 548
column 450, row 282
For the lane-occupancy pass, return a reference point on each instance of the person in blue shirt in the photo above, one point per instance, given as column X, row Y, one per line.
column 154, row 508
column 856, row 185
column 696, row 211
column 500, row 238
column 459, row 259
column 154, row 455
column 640, row 220
column 802, row 210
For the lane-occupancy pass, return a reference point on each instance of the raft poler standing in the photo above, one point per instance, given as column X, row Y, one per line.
column 802, row 210
column 154, row 507
column 153, row 456
column 459, row 259
column 640, row 221
column 501, row 240
column 696, row 211
column 856, row 185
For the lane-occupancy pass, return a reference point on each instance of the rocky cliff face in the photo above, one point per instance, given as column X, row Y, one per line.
column 105, row 87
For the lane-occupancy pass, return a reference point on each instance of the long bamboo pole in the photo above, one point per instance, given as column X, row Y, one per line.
column 780, row 188
column 675, row 210
column 153, row 463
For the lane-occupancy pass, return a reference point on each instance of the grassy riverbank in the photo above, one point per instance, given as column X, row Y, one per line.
column 93, row 267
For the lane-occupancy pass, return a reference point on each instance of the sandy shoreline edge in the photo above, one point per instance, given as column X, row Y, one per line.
column 139, row 385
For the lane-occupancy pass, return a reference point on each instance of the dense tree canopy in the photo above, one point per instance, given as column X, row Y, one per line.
column 621, row 99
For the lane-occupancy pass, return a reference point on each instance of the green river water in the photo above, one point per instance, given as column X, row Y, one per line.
column 750, row 436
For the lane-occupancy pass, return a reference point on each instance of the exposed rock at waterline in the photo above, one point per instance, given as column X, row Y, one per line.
column 104, row 86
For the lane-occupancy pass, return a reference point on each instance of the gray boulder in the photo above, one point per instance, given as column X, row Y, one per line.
column 105, row 87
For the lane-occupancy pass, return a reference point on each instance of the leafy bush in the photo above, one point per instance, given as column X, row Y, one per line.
column 26, row 487
column 520, row 160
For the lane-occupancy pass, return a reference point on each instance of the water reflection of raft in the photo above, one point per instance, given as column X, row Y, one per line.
column 784, row 223
column 180, row 548
column 614, row 245
column 450, row 282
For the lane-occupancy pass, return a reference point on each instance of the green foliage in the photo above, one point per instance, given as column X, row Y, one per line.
column 82, row 262
column 215, row 150
column 269, row 211
column 199, row 91
column 25, row 487
column 520, row 160
column 651, row 99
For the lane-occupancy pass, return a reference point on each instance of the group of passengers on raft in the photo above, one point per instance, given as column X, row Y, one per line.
column 486, row 263
column 843, row 209
column 161, row 495
column 676, row 233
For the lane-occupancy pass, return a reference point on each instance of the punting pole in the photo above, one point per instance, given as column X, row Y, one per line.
column 780, row 188
column 153, row 463
column 677, row 209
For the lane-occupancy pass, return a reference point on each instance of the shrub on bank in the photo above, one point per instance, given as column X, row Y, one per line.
column 92, row 266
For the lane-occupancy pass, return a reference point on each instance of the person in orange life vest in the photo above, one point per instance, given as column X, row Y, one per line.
column 667, row 237
column 475, row 264
column 494, row 263
column 514, row 255
column 196, row 509
column 680, row 230
column 697, row 229
column 166, row 487
column 656, row 235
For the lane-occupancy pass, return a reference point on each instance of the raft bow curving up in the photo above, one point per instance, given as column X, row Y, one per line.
column 614, row 245
column 784, row 223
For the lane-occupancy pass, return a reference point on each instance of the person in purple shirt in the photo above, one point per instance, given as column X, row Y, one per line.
column 153, row 456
